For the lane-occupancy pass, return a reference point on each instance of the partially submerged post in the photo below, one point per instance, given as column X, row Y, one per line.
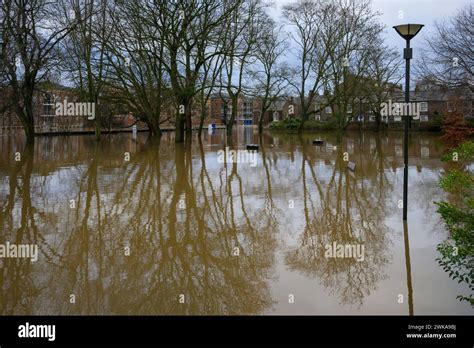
column 408, row 32
column 351, row 166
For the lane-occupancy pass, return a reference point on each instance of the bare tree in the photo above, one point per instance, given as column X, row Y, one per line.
column 212, row 69
column 270, row 76
column 31, row 34
column 84, row 49
column 313, row 38
column 241, row 30
column 332, row 46
column 136, row 59
column 356, row 29
column 191, row 32
column 382, row 77
column 449, row 60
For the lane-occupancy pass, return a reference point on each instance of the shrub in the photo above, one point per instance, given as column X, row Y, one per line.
column 433, row 125
column 457, row 252
column 289, row 124
column 319, row 125
column 454, row 128
column 294, row 124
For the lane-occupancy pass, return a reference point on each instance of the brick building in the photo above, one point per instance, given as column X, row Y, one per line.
column 434, row 102
column 220, row 109
column 44, row 100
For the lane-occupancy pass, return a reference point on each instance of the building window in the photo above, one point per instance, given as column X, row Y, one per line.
column 398, row 151
column 424, row 118
column 425, row 152
column 449, row 106
column 317, row 118
column 328, row 110
column 349, row 108
column 247, row 110
column 48, row 105
column 423, row 106
column 317, row 106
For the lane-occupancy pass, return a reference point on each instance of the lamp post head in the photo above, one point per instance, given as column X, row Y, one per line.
column 408, row 31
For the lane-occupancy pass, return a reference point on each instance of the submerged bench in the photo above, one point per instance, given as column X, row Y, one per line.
column 252, row 147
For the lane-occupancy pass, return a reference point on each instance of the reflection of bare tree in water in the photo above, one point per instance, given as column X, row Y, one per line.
column 20, row 223
column 45, row 213
column 351, row 211
column 271, row 209
column 181, row 225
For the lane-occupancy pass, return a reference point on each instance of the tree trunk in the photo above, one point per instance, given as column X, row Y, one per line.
column 260, row 121
column 304, row 117
column 154, row 127
column 27, row 121
column 179, row 137
column 29, row 132
column 201, row 122
column 339, row 136
column 233, row 115
column 189, row 123
column 378, row 120
column 97, row 127
column 229, row 141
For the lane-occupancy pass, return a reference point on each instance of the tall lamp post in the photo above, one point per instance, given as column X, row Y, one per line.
column 408, row 32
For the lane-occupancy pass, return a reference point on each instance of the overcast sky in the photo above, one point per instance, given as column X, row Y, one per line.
column 413, row 11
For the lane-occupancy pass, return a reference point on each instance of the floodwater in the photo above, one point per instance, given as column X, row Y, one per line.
column 129, row 226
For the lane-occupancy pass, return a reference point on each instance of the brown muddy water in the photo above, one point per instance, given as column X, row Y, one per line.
column 129, row 226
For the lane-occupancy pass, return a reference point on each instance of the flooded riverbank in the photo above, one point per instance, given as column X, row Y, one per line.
column 129, row 226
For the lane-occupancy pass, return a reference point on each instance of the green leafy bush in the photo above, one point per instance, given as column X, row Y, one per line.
column 289, row 124
column 457, row 181
column 295, row 124
column 464, row 152
column 319, row 125
column 457, row 252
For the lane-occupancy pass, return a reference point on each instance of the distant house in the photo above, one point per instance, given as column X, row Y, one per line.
column 435, row 100
column 275, row 111
column 322, row 110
